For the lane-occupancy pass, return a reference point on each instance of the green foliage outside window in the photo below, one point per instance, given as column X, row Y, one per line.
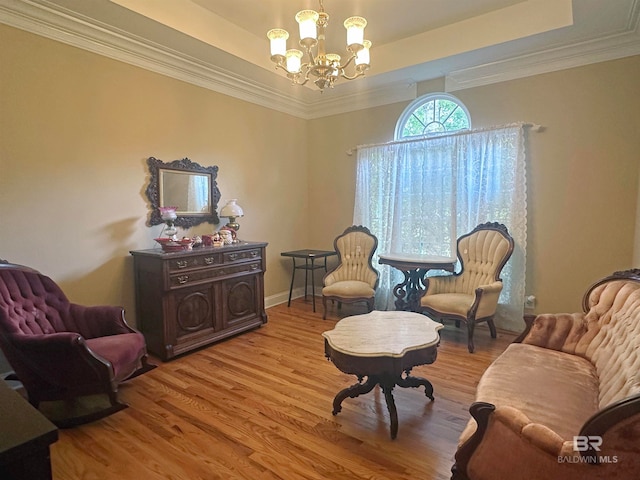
column 433, row 115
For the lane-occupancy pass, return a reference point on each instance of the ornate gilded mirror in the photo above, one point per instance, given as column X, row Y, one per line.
column 183, row 184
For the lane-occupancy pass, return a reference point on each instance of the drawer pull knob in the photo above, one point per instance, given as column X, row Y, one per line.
column 209, row 260
column 183, row 279
column 233, row 256
column 254, row 254
column 182, row 263
column 254, row 267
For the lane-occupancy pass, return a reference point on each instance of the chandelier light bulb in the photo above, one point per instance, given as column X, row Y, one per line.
column 355, row 32
column 333, row 61
column 362, row 57
column 307, row 23
column 333, row 58
column 278, row 38
column 294, row 60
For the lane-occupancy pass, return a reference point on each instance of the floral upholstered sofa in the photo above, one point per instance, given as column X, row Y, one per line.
column 563, row 400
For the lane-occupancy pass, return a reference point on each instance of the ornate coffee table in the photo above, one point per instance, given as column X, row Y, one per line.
column 382, row 346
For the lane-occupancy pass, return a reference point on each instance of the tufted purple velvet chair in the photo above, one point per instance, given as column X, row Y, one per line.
column 60, row 350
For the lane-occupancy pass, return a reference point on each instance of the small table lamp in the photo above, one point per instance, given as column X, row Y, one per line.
column 231, row 211
column 169, row 215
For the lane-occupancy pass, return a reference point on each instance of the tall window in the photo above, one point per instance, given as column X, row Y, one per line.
column 418, row 195
column 433, row 114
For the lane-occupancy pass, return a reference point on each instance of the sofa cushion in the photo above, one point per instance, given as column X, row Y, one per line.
column 555, row 389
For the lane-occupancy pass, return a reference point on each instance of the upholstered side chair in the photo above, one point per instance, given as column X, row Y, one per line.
column 60, row 350
column 353, row 279
column 471, row 295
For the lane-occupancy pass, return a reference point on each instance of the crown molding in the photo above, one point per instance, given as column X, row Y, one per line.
column 612, row 47
column 333, row 104
column 56, row 23
column 52, row 21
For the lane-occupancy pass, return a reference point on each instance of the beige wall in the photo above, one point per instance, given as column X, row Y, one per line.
column 76, row 128
column 582, row 171
column 75, row 132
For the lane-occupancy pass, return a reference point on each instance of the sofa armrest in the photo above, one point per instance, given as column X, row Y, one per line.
column 508, row 446
column 560, row 331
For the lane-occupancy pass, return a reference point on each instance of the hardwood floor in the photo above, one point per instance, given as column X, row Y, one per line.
column 258, row 406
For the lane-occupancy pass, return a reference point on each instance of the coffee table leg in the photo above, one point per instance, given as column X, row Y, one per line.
column 387, row 389
column 352, row 392
column 415, row 382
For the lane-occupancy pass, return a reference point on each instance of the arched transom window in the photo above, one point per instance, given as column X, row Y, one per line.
column 432, row 114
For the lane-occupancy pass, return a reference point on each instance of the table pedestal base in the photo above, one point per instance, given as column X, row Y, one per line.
column 387, row 383
column 409, row 292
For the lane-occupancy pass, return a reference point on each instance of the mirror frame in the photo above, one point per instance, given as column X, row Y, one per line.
column 183, row 165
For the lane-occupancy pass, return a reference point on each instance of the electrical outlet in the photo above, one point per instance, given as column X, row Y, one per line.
column 529, row 301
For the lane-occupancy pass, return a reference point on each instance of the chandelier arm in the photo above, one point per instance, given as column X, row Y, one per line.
column 282, row 67
column 358, row 74
column 348, row 62
column 294, row 77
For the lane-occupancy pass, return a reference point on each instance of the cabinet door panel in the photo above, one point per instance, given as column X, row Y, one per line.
column 240, row 300
column 194, row 315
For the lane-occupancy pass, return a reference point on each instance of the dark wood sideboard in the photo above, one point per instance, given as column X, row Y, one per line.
column 192, row 298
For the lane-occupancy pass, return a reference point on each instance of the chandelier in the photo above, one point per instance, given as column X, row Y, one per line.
column 324, row 67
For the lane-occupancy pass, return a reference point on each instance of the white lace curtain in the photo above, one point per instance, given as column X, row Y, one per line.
column 419, row 196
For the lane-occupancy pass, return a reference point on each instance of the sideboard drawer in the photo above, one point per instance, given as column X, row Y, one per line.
column 181, row 279
column 238, row 256
column 196, row 261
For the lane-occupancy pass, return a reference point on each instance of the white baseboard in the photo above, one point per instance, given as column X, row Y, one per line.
column 283, row 297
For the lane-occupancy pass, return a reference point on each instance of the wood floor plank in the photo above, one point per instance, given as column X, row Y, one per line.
column 258, row 407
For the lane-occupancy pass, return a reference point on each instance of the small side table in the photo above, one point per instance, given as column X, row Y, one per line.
column 414, row 268
column 309, row 265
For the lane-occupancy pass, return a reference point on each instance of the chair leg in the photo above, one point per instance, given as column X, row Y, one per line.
column 492, row 328
column 470, row 328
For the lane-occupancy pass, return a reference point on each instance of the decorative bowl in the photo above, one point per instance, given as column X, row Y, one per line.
column 173, row 247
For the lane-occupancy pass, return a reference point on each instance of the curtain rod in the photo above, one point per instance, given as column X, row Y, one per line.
column 533, row 126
